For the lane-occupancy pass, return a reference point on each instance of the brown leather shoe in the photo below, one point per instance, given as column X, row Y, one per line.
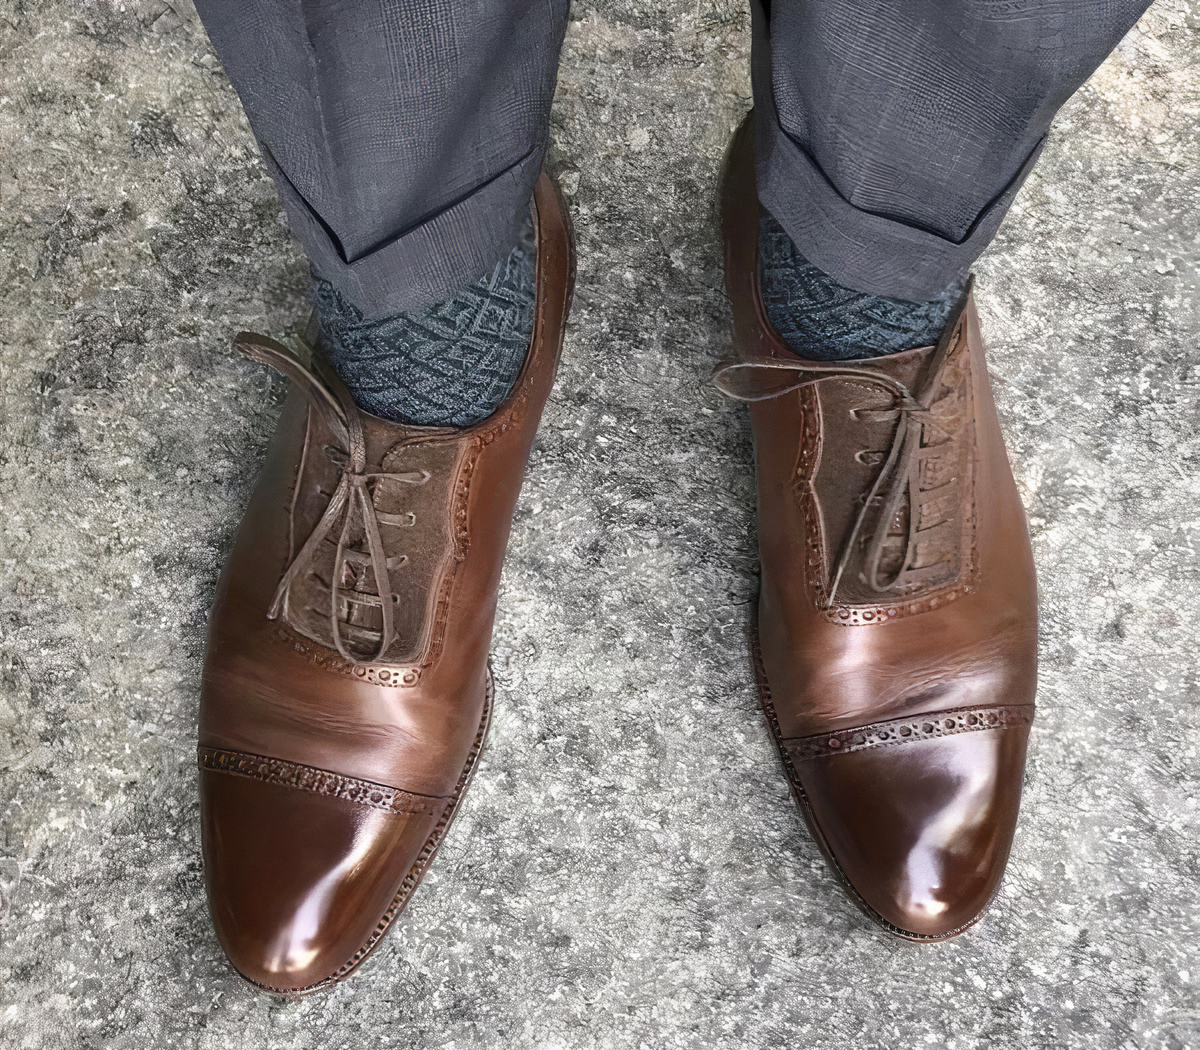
column 897, row 623
column 346, row 688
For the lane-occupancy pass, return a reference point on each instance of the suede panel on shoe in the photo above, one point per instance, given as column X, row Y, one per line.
column 346, row 689
column 897, row 584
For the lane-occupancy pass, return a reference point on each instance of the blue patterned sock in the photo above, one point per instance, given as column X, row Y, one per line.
column 451, row 364
column 825, row 321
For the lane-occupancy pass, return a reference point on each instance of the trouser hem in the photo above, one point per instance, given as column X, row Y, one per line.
column 860, row 249
column 427, row 263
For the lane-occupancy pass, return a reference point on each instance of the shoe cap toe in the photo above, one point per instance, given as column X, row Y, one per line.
column 299, row 882
column 921, row 831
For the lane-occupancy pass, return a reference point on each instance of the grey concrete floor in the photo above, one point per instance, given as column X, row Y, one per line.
column 628, row 871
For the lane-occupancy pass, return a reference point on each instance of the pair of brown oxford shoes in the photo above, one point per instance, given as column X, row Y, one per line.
column 346, row 692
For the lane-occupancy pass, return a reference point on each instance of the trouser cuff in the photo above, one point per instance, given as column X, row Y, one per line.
column 862, row 250
column 424, row 264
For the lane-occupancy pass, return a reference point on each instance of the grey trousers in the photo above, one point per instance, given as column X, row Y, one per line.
column 406, row 135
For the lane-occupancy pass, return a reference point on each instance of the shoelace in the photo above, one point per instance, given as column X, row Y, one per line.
column 765, row 378
column 351, row 504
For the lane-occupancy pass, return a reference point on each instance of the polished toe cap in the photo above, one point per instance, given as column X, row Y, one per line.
column 920, row 829
column 299, row 881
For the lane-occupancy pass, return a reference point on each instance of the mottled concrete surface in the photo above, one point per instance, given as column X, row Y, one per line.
column 628, row 871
